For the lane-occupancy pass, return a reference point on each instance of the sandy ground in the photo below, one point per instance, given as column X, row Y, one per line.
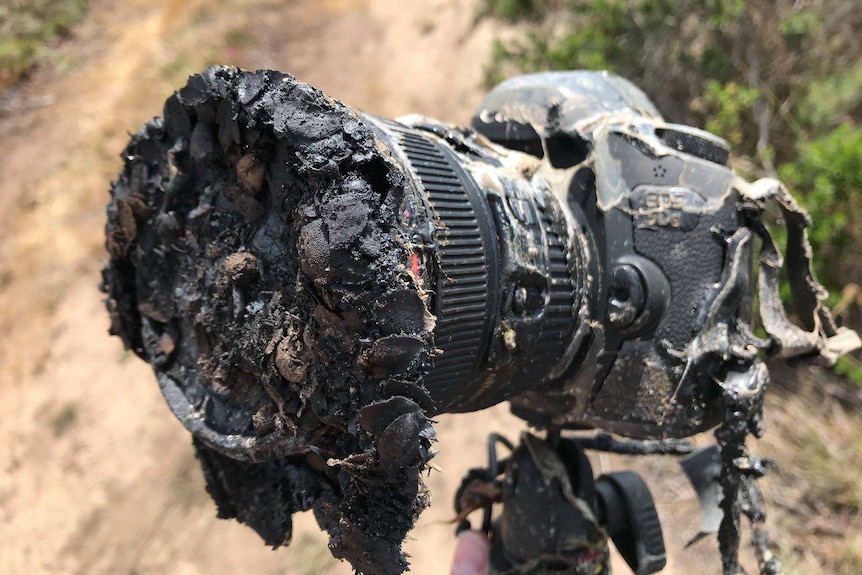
column 97, row 476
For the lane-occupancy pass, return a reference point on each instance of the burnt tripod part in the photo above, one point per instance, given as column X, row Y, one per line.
column 703, row 470
column 495, row 467
column 556, row 518
column 628, row 513
column 548, row 522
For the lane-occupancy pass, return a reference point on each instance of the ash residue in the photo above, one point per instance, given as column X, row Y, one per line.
column 257, row 263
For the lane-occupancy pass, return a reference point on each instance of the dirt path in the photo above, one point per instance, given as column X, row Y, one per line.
column 97, row 475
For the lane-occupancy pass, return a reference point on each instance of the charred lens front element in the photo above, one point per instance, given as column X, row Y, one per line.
column 311, row 284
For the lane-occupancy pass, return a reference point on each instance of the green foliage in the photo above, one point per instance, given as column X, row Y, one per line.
column 827, row 176
column 27, row 27
column 605, row 35
column 514, row 10
column 851, row 368
column 798, row 26
column 835, row 99
column 722, row 12
column 727, row 106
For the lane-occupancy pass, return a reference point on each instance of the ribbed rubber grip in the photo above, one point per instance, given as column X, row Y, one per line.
column 557, row 322
column 467, row 277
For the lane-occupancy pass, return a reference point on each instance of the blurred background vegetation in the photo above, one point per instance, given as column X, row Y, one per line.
column 29, row 29
column 780, row 80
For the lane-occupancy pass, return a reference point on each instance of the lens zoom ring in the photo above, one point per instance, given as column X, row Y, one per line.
column 467, row 258
column 557, row 322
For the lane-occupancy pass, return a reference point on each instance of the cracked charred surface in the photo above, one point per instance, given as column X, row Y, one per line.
column 256, row 264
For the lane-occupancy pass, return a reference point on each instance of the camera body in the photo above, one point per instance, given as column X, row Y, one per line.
column 657, row 204
column 601, row 233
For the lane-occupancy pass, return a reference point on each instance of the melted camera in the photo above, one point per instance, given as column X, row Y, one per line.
column 311, row 284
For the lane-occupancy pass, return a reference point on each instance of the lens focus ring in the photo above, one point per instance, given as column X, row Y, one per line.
column 467, row 274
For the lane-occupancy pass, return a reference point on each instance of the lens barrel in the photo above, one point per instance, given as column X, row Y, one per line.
column 500, row 258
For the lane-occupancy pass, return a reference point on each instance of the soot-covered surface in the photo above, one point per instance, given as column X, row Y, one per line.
column 257, row 264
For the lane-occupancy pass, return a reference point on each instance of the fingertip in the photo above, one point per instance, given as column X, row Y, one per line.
column 471, row 554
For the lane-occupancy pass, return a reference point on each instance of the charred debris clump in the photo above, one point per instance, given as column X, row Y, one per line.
column 257, row 265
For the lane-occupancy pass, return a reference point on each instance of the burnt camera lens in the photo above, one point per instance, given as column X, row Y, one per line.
column 311, row 284
column 282, row 260
column 504, row 281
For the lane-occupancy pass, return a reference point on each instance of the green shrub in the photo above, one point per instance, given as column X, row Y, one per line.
column 827, row 177
column 515, row 10
column 26, row 29
column 727, row 107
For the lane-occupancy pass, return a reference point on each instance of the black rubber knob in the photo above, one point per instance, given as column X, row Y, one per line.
column 626, row 508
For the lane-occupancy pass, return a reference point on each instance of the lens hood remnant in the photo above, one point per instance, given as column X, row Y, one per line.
column 257, row 265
